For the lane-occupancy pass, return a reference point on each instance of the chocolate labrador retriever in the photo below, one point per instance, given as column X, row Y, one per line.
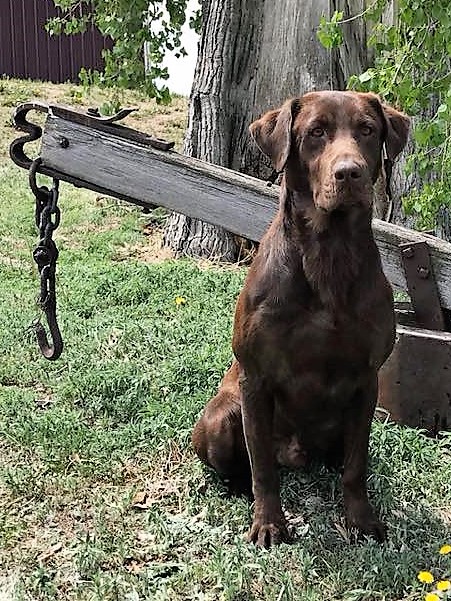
column 314, row 321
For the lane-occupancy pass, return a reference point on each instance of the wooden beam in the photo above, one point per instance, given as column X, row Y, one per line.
column 242, row 205
column 100, row 160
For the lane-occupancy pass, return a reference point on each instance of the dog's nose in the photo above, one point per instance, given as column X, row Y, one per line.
column 347, row 171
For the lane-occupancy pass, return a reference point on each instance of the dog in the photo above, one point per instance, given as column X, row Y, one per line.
column 314, row 321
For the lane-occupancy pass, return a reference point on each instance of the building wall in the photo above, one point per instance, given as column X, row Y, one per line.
column 28, row 51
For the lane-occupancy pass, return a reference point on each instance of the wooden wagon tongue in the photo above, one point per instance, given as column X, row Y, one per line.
column 97, row 153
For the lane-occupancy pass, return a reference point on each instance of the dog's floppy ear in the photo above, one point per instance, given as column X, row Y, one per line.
column 272, row 133
column 398, row 126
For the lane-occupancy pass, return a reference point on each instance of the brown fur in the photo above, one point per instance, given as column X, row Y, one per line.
column 314, row 321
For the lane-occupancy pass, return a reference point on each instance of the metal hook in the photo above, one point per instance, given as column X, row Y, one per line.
column 33, row 131
column 50, row 351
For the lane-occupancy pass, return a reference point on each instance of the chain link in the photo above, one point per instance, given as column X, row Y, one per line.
column 47, row 217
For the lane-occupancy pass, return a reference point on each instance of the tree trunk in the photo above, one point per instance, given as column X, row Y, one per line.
column 353, row 56
column 253, row 54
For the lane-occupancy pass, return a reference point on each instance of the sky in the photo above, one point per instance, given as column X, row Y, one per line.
column 181, row 70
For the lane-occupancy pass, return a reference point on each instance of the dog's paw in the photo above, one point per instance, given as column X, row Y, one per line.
column 266, row 535
column 364, row 519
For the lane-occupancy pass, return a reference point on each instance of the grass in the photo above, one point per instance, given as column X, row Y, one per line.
column 101, row 497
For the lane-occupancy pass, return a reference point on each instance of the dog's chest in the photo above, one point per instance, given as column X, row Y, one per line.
column 321, row 338
column 318, row 371
column 318, row 357
column 304, row 339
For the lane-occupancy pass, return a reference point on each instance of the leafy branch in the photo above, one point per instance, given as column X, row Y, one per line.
column 142, row 31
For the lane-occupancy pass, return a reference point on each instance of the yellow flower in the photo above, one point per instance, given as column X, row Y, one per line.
column 445, row 550
column 426, row 577
column 431, row 597
column 180, row 300
column 443, row 585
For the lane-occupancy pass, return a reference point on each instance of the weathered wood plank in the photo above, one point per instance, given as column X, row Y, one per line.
column 239, row 203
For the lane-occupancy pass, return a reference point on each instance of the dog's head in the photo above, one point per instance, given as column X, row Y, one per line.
column 331, row 144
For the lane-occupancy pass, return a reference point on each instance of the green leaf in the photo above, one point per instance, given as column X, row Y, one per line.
column 329, row 33
column 366, row 76
column 129, row 24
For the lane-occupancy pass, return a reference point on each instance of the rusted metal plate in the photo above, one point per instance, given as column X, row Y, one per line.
column 93, row 119
column 421, row 285
column 415, row 382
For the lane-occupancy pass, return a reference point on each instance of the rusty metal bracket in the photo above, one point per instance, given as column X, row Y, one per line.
column 91, row 118
column 16, row 150
column 422, row 286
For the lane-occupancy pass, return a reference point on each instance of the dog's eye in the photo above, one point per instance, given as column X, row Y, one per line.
column 366, row 130
column 317, row 132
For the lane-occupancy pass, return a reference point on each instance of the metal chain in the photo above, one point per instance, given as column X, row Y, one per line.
column 47, row 217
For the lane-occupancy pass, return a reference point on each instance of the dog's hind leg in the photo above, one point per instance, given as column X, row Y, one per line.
column 218, row 436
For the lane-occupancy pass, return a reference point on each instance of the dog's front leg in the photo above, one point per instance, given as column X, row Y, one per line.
column 269, row 525
column 359, row 512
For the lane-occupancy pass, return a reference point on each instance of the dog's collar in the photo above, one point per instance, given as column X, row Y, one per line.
column 388, row 167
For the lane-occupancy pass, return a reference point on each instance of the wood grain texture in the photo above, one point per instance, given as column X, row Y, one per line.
column 241, row 204
column 195, row 188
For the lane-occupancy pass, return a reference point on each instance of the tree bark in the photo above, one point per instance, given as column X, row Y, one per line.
column 353, row 56
column 253, row 54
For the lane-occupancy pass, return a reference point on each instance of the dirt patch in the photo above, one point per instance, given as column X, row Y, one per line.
column 445, row 515
column 150, row 251
column 8, row 584
column 112, row 222
column 14, row 263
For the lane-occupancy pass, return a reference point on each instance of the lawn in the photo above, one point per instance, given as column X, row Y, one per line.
column 101, row 496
